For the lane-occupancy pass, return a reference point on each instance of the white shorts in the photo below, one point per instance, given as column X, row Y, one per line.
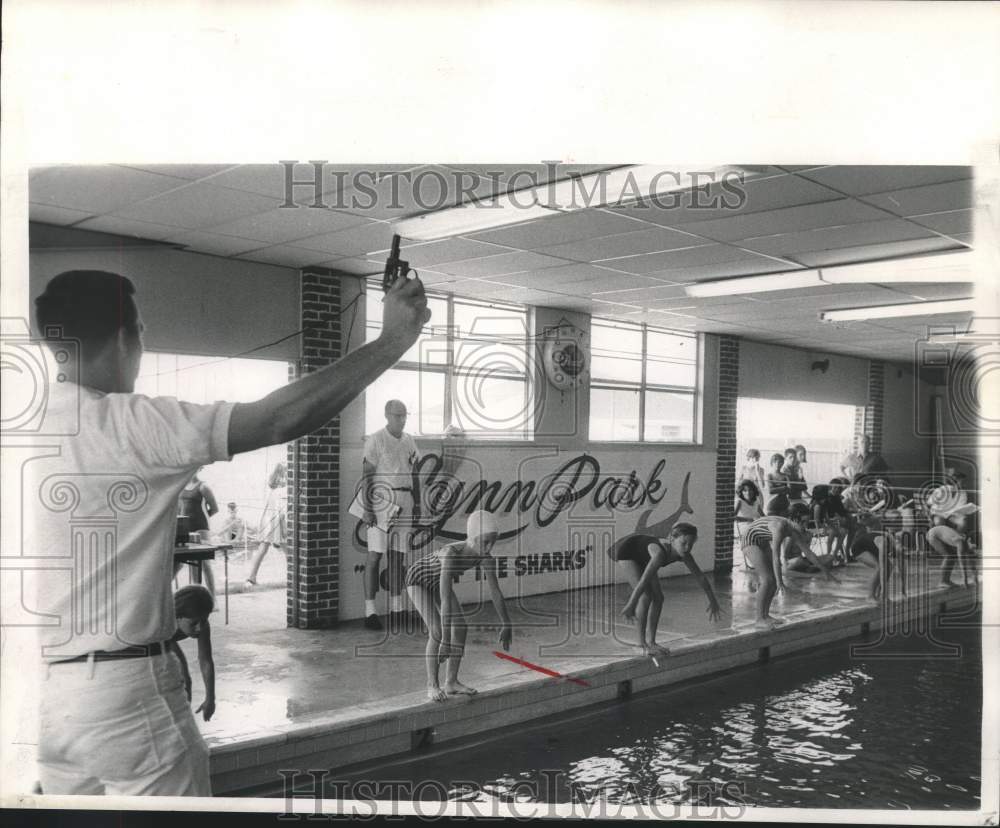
column 399, row 536
column 120, row 727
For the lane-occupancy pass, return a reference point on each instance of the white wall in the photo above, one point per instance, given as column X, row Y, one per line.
column 192, row 303
column 779, row 373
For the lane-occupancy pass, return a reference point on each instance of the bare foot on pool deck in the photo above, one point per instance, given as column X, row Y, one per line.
column 436, row 694
column 762, row 624
column 775, row 621
column 656, row 650
column 459, row 689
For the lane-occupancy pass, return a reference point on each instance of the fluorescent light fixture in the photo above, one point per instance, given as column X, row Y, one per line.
column 890, row 311
column 470, row 218
column 944, row 267
column 618, row 186
column 789, row 280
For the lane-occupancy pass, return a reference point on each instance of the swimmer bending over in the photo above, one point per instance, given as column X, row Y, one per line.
column 643, row 556
column 430, row 585
column 766, row 541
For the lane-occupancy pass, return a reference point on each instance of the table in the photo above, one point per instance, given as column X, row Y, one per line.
column 195, row 554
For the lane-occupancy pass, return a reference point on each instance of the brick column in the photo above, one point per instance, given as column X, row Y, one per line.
column 875, row 408
column 725, row 462
column 314, row 516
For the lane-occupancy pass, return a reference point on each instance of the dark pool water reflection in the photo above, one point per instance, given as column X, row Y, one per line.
column 814, row 730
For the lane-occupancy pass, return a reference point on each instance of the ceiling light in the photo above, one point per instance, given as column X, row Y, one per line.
column 945, row 267
column 623, row 185
column 790, row 280
column 889, row 311
column 469, row 218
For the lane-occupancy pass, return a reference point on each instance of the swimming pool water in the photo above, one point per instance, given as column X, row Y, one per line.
column 816, row 730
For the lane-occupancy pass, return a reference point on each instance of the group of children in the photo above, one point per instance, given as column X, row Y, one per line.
column 864, row 520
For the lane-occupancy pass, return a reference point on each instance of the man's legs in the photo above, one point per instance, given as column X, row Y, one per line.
column 121, row 727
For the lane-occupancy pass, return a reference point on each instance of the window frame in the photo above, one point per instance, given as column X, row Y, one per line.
column 451, row 372
column 643, row 387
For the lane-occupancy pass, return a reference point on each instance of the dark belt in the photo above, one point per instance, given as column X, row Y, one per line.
column 402, row 489
column 115, row 655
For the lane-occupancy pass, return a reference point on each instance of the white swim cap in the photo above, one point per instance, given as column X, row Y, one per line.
column 480, row 523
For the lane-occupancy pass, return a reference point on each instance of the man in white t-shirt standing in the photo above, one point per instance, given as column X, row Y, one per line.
column 389, row 492
column 114, row 716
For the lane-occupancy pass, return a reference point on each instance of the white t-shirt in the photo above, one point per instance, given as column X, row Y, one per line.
column 102, row 504
column 392, row 458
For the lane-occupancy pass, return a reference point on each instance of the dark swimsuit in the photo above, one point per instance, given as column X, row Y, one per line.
column 635, row 548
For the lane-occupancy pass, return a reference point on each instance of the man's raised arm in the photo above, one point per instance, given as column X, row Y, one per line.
column 303, row 406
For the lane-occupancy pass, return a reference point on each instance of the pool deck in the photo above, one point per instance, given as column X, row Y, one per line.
column 298, row 700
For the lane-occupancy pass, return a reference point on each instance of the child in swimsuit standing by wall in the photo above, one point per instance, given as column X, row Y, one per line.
column 430, row 585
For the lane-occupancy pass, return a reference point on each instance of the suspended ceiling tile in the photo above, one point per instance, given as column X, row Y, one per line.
column 444, row 251
column 129, row 227
column 47, row 214
column 561, row 229
column 950, row 222
column 648, row 240
column 359, row 240
column 865, row 180
column 202, row 242
column 616, row 286
column 552, row 276
column 363, row 267
column 412, row 192
column 876, row 252
column 964, row 238
column 285, row 224
column 97, row 189
column 270, row 180
column 744, row 266
column 678, row 301
column 500, row 264
column 934, row 292
column 854, row 235
column 855, row 295
column 189, row 172
column 674, row 259
column 764, row 194
column 285, row 255
column 198, row 207
column 787, row 220
column 934, row 198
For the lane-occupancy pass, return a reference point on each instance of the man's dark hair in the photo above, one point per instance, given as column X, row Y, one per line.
column 90, row 306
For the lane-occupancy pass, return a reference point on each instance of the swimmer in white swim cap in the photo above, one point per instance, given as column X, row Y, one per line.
column 430, row 585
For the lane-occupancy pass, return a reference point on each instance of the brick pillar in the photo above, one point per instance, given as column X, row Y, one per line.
column 875, row 408
column 314, row 516
column 725, row 462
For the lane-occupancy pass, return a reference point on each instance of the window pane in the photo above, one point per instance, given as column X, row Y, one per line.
column 422, row 392
column 491, row 358
column 616, row 353
column 669, row 417
column 670, row 359
column 614, row 414
column 486, row 403
column 497, row 323
column 205, row 379
column 431, row 348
